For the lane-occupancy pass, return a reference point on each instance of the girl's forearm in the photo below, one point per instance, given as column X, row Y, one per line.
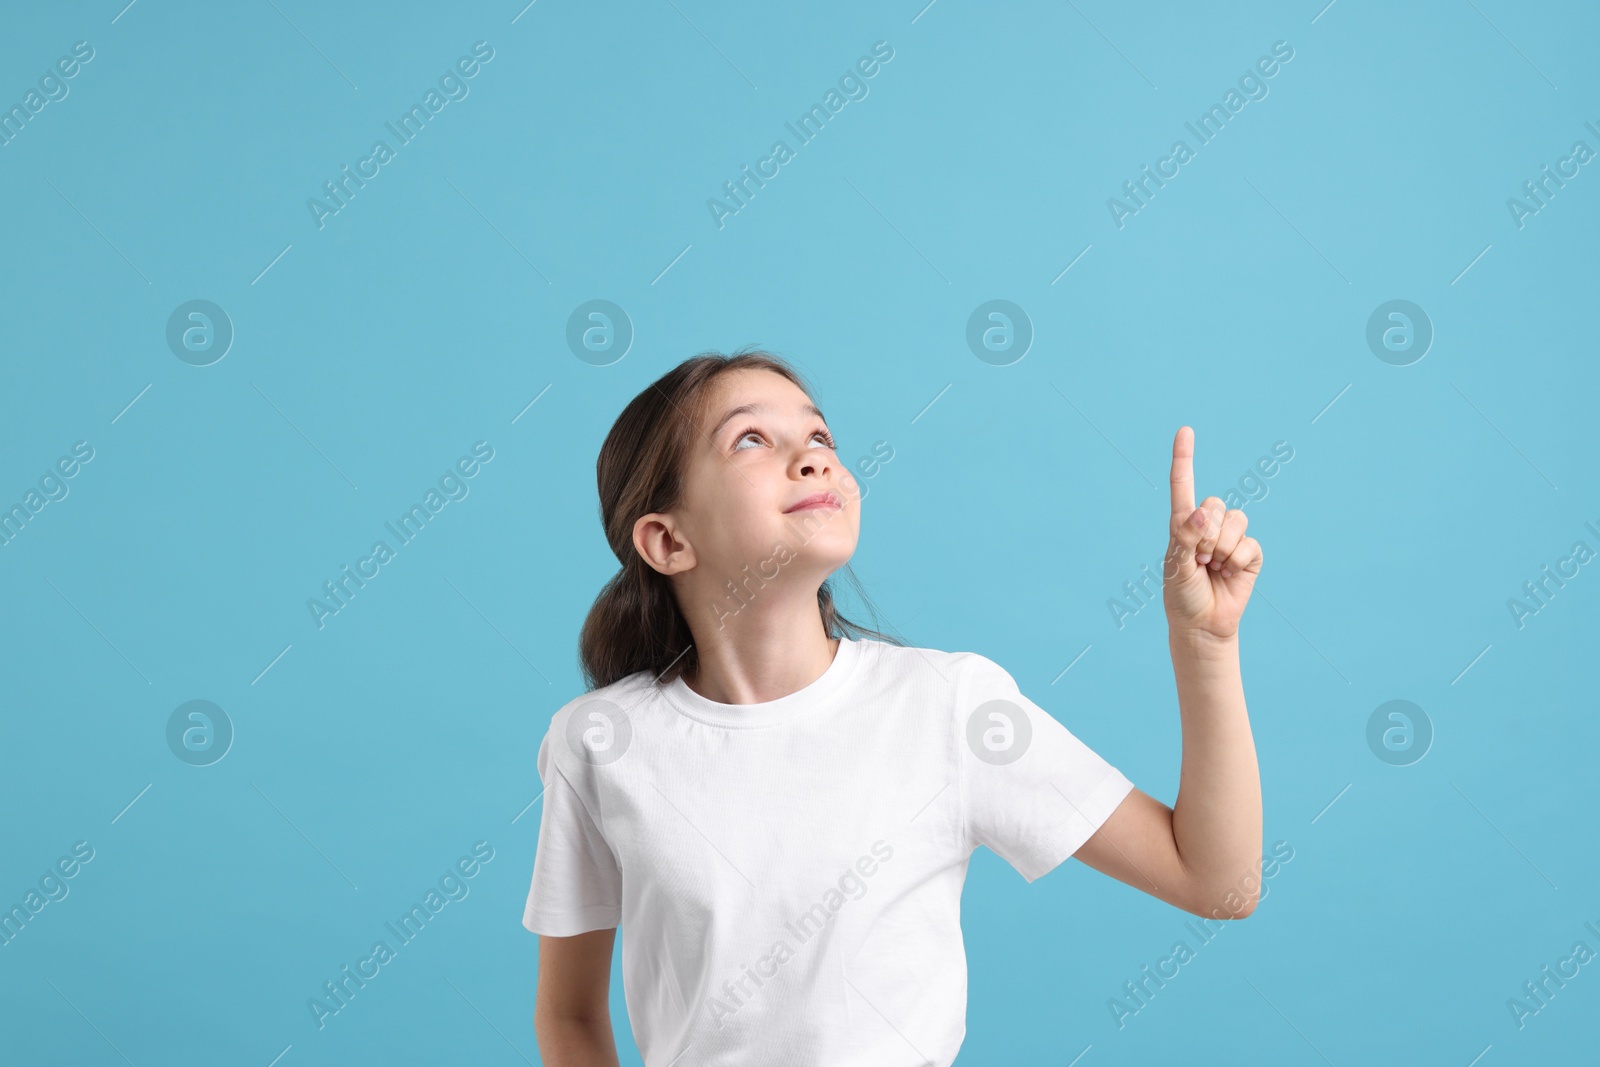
column 575, row 1041
column 1216, row 820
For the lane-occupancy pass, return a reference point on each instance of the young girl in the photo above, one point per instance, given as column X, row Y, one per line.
column 778, row 806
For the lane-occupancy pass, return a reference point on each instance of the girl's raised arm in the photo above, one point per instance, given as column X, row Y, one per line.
column 1203, row 854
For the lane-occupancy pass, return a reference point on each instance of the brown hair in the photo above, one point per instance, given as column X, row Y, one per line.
column 635, row 623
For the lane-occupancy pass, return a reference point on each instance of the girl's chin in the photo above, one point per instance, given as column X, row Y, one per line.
column 824, row 552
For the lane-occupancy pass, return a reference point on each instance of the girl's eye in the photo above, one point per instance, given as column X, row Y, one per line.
column 827, row 438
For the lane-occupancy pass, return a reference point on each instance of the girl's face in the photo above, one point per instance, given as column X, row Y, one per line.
column 762, row 456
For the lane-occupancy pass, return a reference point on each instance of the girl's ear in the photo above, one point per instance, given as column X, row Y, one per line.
column 661, row 545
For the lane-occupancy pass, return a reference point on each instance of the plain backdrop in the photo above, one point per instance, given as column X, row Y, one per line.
column 431, row 312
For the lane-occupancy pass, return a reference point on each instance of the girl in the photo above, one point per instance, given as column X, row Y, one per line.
column 779, row 805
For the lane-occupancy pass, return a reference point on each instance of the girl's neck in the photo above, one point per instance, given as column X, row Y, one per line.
column 753, row 666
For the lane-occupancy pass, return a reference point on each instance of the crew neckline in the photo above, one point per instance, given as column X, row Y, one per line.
column 771, row 712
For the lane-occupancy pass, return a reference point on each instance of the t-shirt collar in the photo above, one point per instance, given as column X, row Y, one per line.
column 771, row 712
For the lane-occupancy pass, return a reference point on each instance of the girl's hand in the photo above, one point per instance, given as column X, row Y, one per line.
column 1211, row 566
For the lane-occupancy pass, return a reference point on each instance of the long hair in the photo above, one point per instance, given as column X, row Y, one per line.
column 635, row 623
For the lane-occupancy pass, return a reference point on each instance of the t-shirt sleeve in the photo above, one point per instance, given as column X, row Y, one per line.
column 1032, row 791
column 577, row 885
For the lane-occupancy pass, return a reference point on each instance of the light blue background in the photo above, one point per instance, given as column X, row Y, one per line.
column 432, row 310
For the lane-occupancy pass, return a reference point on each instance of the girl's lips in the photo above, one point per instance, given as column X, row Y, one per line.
column 816, row 500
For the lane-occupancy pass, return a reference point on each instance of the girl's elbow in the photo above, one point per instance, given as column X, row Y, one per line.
column 1232, row 903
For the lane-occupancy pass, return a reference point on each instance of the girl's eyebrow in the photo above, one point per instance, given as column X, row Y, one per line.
column 745, row 409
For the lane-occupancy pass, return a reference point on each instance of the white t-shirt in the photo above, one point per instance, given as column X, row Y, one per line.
column 787, row 875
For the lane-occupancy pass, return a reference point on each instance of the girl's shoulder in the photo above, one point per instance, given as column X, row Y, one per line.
column 911, row 658
column 967, row 675
column 596, row 726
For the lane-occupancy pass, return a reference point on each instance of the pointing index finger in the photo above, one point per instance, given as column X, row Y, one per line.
column 1183, row 472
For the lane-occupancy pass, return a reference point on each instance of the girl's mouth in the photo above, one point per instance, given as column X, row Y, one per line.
column 815, row 500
